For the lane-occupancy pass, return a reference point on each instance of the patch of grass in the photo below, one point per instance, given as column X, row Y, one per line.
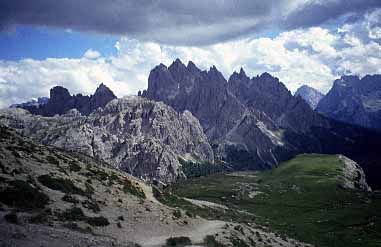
column 22, row 195
column 60, row 184
column 178, row 241
column 97, row 221
column 130, row 188
column 172, row 200
column 301, row 199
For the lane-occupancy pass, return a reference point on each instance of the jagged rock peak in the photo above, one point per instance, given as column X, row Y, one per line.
column 239, row 76
column 192, row 68
column 242, row 72
column 177, row 63
column 215, row 75
column 59, row 92
column 103, row 88
column 310, row 95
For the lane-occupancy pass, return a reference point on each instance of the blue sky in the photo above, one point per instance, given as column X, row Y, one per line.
column 43, row 42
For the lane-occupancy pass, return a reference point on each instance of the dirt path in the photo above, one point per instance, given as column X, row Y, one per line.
column 206, row 203
column 196, row 234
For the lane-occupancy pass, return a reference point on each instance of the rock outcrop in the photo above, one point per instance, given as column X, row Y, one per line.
column 61, row 101
column 140, row 136
column 355, row 101
column 353, row 176
column 310, row 95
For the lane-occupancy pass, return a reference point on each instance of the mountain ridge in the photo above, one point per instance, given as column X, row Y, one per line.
column 354, row 100
column 61, row 101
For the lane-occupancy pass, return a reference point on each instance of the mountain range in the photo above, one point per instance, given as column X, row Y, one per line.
column 61, row 101
column 355, row 101
column 241, row 123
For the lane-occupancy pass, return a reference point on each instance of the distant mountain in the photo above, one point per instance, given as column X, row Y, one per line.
column 355, row 101
column 310, row 95
column 137, row 135
column 255, row 123
column 33, row 103
column 61, row 101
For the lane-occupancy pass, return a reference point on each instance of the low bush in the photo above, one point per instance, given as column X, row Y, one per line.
column 178, row 241
column 60, row 184
column 69, row 198
column 52, row 160
column 22, row 195
column 11, row 218
column 40, row 218
column 73, row 167
column 72, row 214
column 177, row 214
column 91, row 205
column 98, row 221
column 211, row 241
column 128, row 187
column 75, row 227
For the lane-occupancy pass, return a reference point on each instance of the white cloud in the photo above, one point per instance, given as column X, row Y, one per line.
column 313, row 56
column 91, row 54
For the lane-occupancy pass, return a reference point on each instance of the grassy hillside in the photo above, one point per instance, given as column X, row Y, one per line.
column 302, row 198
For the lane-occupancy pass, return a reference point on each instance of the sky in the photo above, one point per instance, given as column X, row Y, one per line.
column 81, row 43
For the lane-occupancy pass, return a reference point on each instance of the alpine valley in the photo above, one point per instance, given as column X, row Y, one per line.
column 195, row 159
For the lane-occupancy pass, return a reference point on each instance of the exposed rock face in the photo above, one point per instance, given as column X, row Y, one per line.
column 238, row 135
column 310, row 95
column 244, row 118
column 353, row 176
column 61, row 101
column 267, row 94
column 355, row 101
column 256, row 122
column 137, row 135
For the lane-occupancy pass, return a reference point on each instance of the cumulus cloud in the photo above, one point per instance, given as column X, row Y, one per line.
column 314, row 56
column 180, row 22
column 91, row 54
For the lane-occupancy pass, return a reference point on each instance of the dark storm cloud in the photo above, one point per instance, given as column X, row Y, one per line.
column 319, row 12
column 177, row 21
